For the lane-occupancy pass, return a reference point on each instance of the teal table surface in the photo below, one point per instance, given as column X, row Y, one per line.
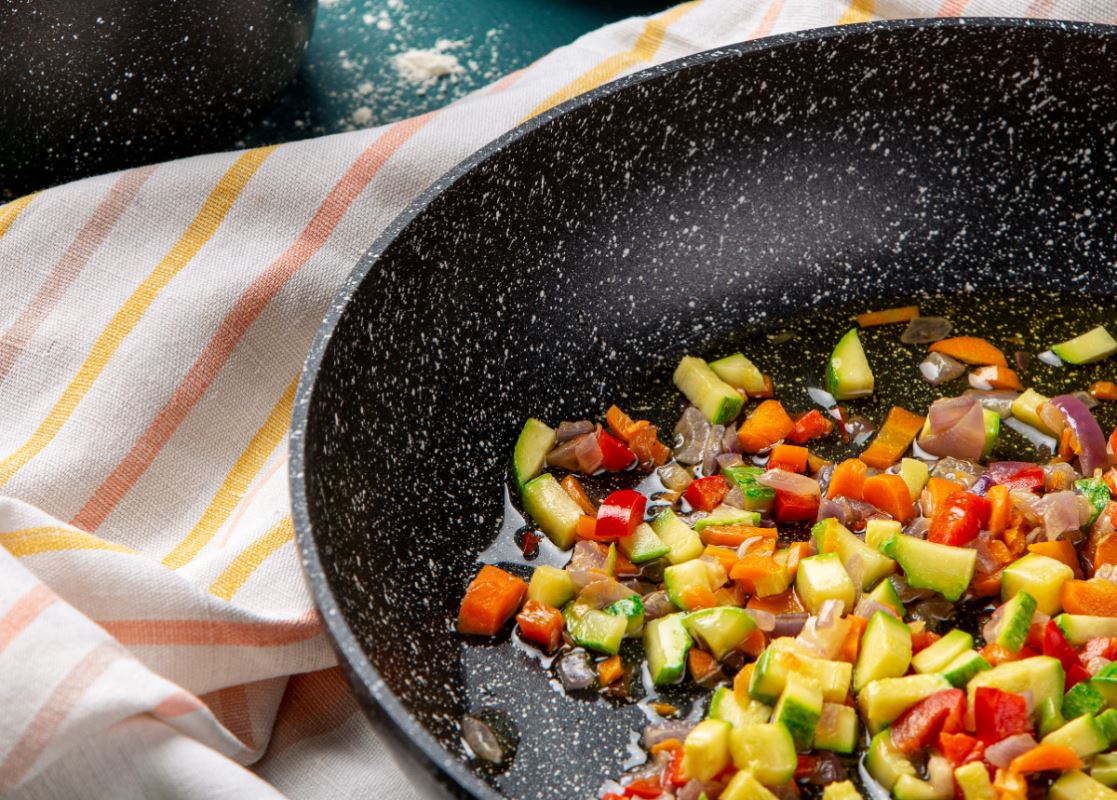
column 349, row 81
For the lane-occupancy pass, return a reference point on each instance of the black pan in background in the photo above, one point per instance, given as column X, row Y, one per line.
column 554, row 271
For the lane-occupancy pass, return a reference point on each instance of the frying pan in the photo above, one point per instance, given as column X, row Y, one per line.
column 569, row 265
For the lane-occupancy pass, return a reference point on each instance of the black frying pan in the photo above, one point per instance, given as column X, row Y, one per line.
column 569, row 265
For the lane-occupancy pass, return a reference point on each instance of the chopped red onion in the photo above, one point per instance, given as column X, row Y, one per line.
column 1087, row 399
column 765, row 620
column 1060, row 514
column 1023, row 360
column 744, row 547
column 791, row 482
column 934, row 610
column 860, row 429
column 675, row 729
column 1001, row 471
column 568, row 430
column 937, row 368
column 940, row 774
column 726, row 460
column 692, row 430
column 918, row 527
column 729, row 441
column 789, row 624
column 828, row 767
column 481, row 740
column 924, row 330
column 866, row 607
column 829, row 613
column 821, row 397
column 695, row 789
column 1059, row 476
column 656, row 605
column 1050, row 359
column 1097, row 664
column 600, row 594
column 981, row 486
column 712, row 448
column 1086, row 429
column 735, row 498
column 1002, row 753
column 674, row 476
column 957, row 428
column 588, row 453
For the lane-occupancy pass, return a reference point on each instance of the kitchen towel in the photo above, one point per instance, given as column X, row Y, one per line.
column 156, row 635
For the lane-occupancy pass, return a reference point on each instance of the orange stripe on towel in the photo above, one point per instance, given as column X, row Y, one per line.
column 195, row 632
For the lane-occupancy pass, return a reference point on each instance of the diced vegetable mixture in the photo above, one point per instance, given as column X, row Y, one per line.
column 822, row 603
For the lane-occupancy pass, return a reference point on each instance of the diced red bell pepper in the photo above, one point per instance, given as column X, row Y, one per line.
column 619, row 515
column 615, row 456
column 1056, row 645
column 644, row 787
column 674, row 774
column 812, row 425
column 706, row 494
column 998, row 714
column 1026, row 480
column 919, row 727
column 790, row 507
column 541, row 624
column 805, row 766
column 959, row 519
column 960, row 748
column 614, row 796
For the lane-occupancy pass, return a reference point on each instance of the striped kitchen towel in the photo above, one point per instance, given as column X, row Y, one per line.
column 156, row 636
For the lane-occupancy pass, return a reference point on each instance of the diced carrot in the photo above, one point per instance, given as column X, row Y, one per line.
column 751, row 569
column 815, row 463
column 701, row 664
column 625, row 568
column 741, row 684
column 610, row 670
column 893, row 439
column 753, row 644
column 998, row 378
column 492, row 597
column 573, row 488
column 852, row 644
column 1000, row 516
column 1010, row 785
column 888, row 316
column 1061, row 550
column 647, row 447
column 796, row 552
column 782, row 603
column 1106, row 551
column 1067, row 444
column 1046, row 757
column 726, row 555
column 890, row 494
column 696, row 597
column 541, row 624
column 921, row 638
column 848, row 479
column 1015, row 541
column 986, row 585
column 970, row 350
column 622, row 425
column 586, row 527
column 1095, row 597
column 995, row 654
column 731, row 595
column 1110, row 478
column 665, row 745
column 1104, row 390
column 766, row 425
column 788, row 457
column 734, row 535
column 937, row 490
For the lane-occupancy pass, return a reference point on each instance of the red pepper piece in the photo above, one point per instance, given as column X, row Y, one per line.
column 805, row 766
column 644, row 787
column 960, row 518
column 960, row 748
column 706, row 494
column 1026, row 480
column 541, row 624
column 919, row 727
column 619, row 515
column 614, row 796
column 615, row 456
column 674, row 774
column 812, row 425
column 1056, row 645
column 790, row 507
column 999, row 714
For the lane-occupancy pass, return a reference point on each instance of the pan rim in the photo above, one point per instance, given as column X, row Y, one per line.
column 377, row 701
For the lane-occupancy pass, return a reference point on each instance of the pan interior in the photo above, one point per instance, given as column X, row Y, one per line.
column 571, row 268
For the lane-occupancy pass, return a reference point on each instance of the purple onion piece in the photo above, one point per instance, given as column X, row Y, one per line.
column 957, row 428
column 675, row 729
column 1023, row 360
column 692, row 430
column 999, row 400
column 1086, row 429
column 1002, row 753
column 1001, row 471
column 789, row 624
column 981, row 485
column 576, row 672
column 924, row 330
column 481, row 740
column 938, row 368
column 656, row 605
column 568, row 430
column 765, row 620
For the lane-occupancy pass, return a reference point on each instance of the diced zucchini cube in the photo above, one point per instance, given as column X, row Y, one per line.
column 535, row 441
column 837, row 728
column 1104, row 769
column 1040, row 675
column 885, row 699
column 885, row 650
column 821, row 578
column 833, row 537
column 930, row 565
column 840, row 790
column 739, row 372
column 1082, row 698
column 961, row 669
column 743, row 786
column 1040, row 576
column 679, row 578
column 643, row 545
column 973, row 780
column 666, row 644
column 915, row 474
column 799, row 708
column 551, row 586
column 1091, row 346
column 725, row 706
column 765, row 750
column 1077, row 785
column 685, row 544
column 717, row 400
column 552, row 509
column 1081, row 735
column 719, row 630
column 1016, row 621
column 885, row 763
column 879, row 531
column 706, row 749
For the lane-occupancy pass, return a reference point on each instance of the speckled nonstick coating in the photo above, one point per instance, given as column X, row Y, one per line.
column 569, row 265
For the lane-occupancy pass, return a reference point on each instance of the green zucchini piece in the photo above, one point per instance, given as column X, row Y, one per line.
column 879, row 531
column 683, row 542
column 535, row 441
column 552, row 509
column 837, row 728
column 885, row 593
column 1104, row 769
column 1026, row 409
column 915, row 474
column 1050, row 716
column 885, row 650
column 799, row 708
column 992, row 431
column 1082, row 698
column 717, row 400
column 598, row 631
column 964, row 667
column 1105, row 682
column 1040, row 576
column 551, row 586
column 1016, row 621
column 1094, row 490
column 740, row 373
column 929, row 565
column 666, row 644
column 769, row 674
column 743, row 786
column 757, row 497
column 1041, row 675
column 848, row 375
column 706, row 749
column 909, row 787
column 844, row 790
column 688, row 575
column 765, row 750
column 727, row 515
column 1081, row 628
column 1107, row 724
column 1082, row 735
column 937, row 656
column 1091, row 346
column 821, row 578
column 725, row 706
column 1077, row 785
column 973, row 780
column 885, row 699
column 885, row 763
column 719, row 630
column 643, row 545
column 632, row 609
column 832, row 537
